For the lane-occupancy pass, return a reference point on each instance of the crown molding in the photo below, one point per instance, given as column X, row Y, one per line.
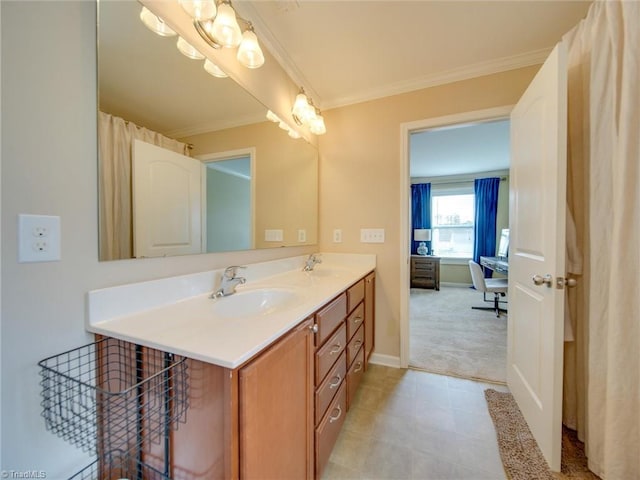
column 536, row 57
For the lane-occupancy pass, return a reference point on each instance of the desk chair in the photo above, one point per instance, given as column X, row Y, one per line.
column 497, row 286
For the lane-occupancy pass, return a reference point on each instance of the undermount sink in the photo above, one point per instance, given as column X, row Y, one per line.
column 251, row 303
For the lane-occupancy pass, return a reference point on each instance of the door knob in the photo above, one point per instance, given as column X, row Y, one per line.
column 546, row 280
column 562, row 282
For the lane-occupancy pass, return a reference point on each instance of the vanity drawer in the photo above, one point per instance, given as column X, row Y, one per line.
column 355, row 320
column 329, row 429
column 355, row 294
column 327, row 355
column 354, row 345
column 329, row 317
column 330, row 386
column 354, row 375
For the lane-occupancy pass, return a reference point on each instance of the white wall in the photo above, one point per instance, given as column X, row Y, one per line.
column 49, row 167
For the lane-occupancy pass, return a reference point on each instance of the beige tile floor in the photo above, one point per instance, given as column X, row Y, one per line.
column 408, row 424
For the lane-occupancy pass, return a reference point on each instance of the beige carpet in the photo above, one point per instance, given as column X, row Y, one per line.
column 520, row 454
column 448, row 337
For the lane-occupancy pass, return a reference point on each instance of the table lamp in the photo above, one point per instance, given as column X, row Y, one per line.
column 422, row 235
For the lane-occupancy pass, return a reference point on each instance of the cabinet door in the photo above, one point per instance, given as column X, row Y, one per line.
column 369, row 315
column 276, row 409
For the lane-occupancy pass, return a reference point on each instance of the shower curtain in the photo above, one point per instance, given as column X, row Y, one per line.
column 115, row 140
column 602, row 367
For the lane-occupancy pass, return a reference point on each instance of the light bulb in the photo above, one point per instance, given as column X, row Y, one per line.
column 187, row 50
column 225, row 29
column 213, row 69
column 249, row 53
column 317, row 126
column 284, row 126
column 155, row 24
column 199, row 9
column 300, row 106
column 294, row 134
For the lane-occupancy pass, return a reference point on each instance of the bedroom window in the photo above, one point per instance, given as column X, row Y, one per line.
column 452, row 221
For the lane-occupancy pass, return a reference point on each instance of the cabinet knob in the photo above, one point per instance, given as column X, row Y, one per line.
column 314, row 328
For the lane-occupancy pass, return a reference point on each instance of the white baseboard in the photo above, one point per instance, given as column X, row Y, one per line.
column 385, row 360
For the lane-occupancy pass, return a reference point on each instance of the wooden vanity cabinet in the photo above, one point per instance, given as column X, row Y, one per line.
column 276, row 409
column 279, row 414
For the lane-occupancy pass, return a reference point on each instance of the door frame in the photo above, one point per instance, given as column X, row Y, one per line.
column 476, row 116
column 230, row 155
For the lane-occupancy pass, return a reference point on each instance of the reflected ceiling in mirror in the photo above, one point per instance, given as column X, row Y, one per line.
column 145, row 80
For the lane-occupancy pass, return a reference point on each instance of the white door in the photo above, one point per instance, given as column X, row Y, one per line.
column 167, row 202
column 537, row 231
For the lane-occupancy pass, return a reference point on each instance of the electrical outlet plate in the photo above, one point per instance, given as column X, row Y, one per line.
column 302, row 235
column 38, row 238
column 337, row 236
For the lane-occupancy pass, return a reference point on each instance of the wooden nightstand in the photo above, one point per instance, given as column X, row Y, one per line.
column 425, row 271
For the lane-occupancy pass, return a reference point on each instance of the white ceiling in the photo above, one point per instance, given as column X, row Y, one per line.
column 350, row 51
column 482, row 147
column 342, row 52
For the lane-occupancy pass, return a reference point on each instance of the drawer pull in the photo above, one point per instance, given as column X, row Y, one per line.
column 358, row 367
column 337, row 382
column 336, row 348
column 357, row 345
column 357, row 320
column 338, row 415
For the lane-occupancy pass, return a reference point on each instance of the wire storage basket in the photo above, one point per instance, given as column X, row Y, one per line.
column 119, row 465
column 113, row 395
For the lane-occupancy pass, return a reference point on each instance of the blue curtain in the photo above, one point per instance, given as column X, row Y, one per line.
column 420, row 211
column 486, row 211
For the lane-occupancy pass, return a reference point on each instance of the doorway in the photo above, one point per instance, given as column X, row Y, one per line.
column 499, row 113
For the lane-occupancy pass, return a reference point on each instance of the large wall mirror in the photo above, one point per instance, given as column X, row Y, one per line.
column 188, row 162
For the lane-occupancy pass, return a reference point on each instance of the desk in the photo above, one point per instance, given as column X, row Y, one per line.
column 497, row 264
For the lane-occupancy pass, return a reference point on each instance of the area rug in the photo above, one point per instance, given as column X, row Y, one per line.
column 520, row 454
column 448, row 337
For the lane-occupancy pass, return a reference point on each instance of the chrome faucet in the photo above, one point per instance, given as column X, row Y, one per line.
column 311, row 262
column 229, row 282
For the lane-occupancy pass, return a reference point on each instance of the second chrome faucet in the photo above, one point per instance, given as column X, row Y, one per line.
column 229, row 282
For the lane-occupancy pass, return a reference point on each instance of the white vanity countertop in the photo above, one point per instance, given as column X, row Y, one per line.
column 176, row 314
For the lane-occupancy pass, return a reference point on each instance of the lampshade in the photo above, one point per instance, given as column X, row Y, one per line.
column 187, row 50
column 213, row 69
column 249, row 53
column 225, row 28
column 155, row 24
column 199, row 9
column 422, row 235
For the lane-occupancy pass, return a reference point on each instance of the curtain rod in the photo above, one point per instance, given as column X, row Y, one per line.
column 189, row 145
column 502, row 179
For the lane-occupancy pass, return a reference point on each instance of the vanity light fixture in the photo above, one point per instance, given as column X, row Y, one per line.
column 218, row 24
column 223, row 31
column 304, row 112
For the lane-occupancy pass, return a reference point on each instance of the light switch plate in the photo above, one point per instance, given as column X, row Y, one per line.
column 302, row 235
column 337, row 236
column 273, row 235
column 372, row 235
column 38, row 238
